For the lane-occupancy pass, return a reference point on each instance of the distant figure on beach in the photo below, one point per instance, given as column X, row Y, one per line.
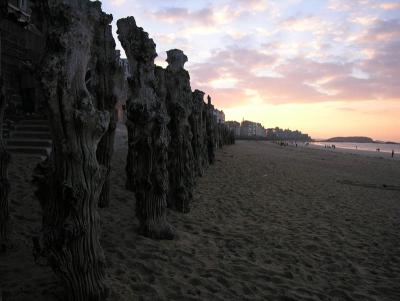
column 378, row 150
column 392, row 153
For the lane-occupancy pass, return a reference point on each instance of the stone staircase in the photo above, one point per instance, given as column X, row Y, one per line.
column 30, row 136
column 8, row 126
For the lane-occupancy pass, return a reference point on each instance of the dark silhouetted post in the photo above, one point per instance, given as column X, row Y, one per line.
column 180, row 154
column 148, row 137
column 71, row 183
column 4, row 183
column 210, row 128
column 105, row 69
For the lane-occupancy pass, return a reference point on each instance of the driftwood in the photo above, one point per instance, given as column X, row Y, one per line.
column 148, row 138
column 180, row 154
column 70, row 183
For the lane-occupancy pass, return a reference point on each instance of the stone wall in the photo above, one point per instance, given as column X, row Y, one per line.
column 22, row 49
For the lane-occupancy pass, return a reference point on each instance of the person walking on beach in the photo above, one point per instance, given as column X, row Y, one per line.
column 392, row 153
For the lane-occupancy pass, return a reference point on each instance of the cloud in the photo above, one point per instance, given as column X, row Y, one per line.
column 232, row 72
column 390, row 5
column 118, row 2
column 308, row 23
column 204, row 18
column 179, row 14
column 345, row 5
column 364, row 20
column 254, row 5
column 212, row 15
column 382, row 31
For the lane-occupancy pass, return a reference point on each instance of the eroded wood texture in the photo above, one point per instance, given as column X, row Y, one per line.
column 179, row 106
column 5, row 227
column 105, row 70
column 148, row 137
column 196, row 120
column 211, row 125
column 70, row 182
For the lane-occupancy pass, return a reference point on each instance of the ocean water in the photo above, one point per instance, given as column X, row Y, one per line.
column 386, row 148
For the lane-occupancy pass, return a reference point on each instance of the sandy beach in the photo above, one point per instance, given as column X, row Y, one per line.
column 267, row 223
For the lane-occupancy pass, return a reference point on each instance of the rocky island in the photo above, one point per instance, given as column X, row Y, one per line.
column 355, row 139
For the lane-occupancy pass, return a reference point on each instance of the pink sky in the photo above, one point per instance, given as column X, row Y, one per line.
column 327, row 68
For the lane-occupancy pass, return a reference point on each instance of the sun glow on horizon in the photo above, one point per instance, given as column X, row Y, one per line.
column 325, row 120
column 327, row 68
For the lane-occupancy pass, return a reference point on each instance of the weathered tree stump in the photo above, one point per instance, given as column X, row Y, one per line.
column 70, row 185
column 148, row 137
column 180, row 154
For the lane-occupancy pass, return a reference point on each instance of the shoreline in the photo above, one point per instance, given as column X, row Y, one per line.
column 364, row 153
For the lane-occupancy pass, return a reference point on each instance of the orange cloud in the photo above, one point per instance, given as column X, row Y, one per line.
column 390, row 5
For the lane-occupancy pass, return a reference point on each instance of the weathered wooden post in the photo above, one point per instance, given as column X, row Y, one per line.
column 70, row 186
column 196, row 125
column 179, row 106
column 210, row 128
column 148, row 137
column 104, row 57
column 4, row 162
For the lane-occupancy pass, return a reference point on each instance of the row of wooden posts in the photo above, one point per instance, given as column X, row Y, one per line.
column 172, row 137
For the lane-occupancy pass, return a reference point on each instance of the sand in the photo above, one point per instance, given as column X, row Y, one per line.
column 267, row 223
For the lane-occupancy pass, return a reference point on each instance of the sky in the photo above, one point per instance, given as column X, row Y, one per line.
column 325, row 67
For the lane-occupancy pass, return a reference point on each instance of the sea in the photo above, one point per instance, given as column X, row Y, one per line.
column 373, row 147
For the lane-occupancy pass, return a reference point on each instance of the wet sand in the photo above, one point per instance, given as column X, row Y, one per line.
column 267, row 223
column 358, row 152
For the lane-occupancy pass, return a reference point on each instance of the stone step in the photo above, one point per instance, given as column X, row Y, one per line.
column 35, row 117
column 28, row 142
column 32, row 128
column 34, row 122
column 32, row 150
column 6, row 133
column 30, row 135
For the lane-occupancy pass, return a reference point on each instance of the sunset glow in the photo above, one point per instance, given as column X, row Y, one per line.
column 327, row 68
